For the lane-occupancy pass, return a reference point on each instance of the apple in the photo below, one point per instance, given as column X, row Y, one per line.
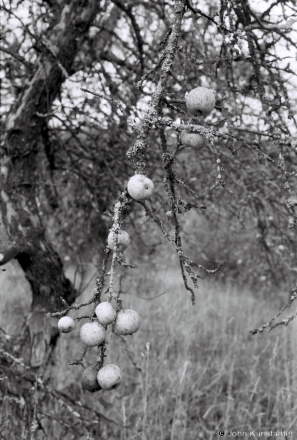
column 123, row 240
column 140, row 187
column 194, row 140
column 89, row 379
column 65, row 324
column 92, row 334
column 105, row 313
column 200, row 101
column 128, row 321
column 109, row 377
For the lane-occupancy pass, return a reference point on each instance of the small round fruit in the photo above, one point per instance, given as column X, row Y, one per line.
column 92, row 334
column 65, row 324
column 200, row 101
column 140, row 187
column 127, row 322
column 123, row 240
column 89, row 379
column 105, row 313
column 194, row 140
column 109, row 377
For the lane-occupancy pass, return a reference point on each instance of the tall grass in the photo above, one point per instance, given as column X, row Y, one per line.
column 201, row 370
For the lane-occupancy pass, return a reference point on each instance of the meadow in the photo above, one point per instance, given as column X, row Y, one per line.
column 188, row 373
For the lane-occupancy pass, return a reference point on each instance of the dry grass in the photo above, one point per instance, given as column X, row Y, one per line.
column 201, row 369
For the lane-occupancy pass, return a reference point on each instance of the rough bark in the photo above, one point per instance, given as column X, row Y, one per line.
column 19, row 176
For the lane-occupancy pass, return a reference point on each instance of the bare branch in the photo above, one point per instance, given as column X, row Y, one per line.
column 269, row 325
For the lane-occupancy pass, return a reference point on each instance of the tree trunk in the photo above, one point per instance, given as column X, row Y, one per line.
column 19, row 178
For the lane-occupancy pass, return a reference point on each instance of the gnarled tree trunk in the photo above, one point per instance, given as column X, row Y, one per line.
column 19, row 176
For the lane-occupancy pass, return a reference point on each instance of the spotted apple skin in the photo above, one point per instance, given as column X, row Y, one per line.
column 105, row 313
column 140, row 187
column 193, row 140
column 92, row 334
column 200, row 101
column 109, row 377
column 123, row 240
column 128, row 322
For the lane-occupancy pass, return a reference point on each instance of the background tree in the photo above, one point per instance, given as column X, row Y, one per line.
column 96, row 90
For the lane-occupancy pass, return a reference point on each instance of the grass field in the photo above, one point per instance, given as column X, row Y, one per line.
column 201, row 370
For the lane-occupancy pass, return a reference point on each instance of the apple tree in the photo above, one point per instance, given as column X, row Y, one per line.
column 195, row 100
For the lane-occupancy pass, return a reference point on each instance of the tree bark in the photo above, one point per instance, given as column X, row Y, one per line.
column 19, row 176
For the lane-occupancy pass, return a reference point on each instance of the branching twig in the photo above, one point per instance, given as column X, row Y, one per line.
column 129, row 353
column 285, row 321
column 80, row 360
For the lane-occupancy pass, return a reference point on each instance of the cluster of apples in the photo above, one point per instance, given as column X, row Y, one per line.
column 199, row 102
column 125, row 322
column 92, row 334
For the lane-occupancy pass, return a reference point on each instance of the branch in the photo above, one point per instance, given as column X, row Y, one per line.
column 17, row 57
column 269, row 325
column 271, row 27
column 137, row 152
column 136, row 28
column 269, row 9
column 198, row 11
column 65, row 38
